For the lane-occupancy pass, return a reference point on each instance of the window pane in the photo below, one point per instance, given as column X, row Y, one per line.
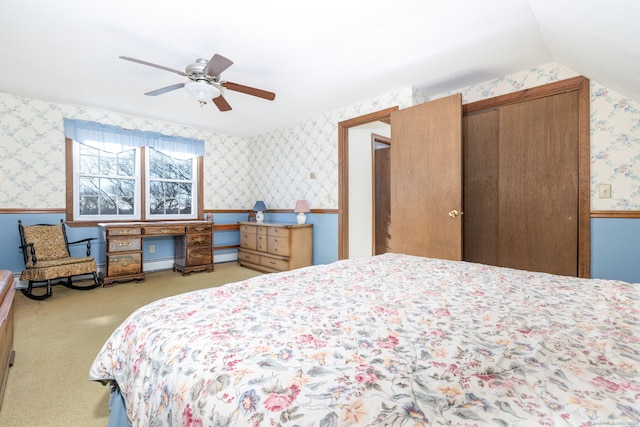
column 107, row 206
column 156, row 198
column 88, row 164
column 170, row 184
column 88, row 205
column 156, row 164
column 89, row 186
column 185, row 169
column 108, row 163
column 127, row 163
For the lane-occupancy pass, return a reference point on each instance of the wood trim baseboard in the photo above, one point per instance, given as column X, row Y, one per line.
column 615, row 214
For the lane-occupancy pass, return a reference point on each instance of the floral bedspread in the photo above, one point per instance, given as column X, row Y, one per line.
column 388, row 340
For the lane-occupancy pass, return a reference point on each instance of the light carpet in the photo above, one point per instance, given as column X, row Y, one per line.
column 57, row 339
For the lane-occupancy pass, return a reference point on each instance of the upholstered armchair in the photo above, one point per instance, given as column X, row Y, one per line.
column 45, row 249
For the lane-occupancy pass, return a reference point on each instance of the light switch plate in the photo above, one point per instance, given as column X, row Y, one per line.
column 604, row 191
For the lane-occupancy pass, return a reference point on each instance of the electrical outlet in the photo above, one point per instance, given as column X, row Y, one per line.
column 152, row 249
column 604, row 191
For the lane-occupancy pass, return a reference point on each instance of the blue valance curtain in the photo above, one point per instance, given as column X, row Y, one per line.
column 85, row 131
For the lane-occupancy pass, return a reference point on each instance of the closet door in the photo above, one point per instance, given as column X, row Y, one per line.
column 538, row 194
column 481, row 138
column 426, row 179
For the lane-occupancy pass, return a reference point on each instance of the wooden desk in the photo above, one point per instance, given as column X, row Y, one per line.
column 124, row 254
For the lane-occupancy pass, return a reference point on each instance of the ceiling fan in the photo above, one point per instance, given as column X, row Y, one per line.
column 205, row 83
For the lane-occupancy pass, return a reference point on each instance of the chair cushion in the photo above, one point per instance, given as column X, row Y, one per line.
column 48, row 241
column 86, row 265
column 58, row 262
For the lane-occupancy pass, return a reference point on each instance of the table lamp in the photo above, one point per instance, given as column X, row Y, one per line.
column 259, row 209
column 301, row 208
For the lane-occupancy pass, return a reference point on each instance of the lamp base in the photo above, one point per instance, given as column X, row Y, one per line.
column 302, row 218
column 259, row 216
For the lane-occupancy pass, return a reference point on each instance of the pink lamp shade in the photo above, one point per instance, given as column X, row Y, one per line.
column 300, row 209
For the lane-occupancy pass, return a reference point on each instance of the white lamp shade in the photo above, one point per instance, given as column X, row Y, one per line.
column 202, row 91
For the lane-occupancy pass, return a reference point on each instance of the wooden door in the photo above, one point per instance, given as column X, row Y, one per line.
column 481, row 142
column 382, row 199
column 426, row 179
column 539, row 186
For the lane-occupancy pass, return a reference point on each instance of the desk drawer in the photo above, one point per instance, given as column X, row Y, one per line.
column 161, row 230
column 121, row 244
column 124, row 231
column 199, row 228
column 199, row 240
column 199, row 256
column 122, row 264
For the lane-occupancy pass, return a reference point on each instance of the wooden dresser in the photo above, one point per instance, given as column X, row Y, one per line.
column 7, row 292
column 273, row 247
column 124, row 255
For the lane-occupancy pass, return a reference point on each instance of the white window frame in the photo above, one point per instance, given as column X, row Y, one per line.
column 142, row 168
column 194, row 188
column 76, row 191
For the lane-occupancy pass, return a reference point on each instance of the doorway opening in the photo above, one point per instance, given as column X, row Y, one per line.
column 344, row 214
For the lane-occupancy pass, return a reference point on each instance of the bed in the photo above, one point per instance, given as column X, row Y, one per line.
column 386, row 340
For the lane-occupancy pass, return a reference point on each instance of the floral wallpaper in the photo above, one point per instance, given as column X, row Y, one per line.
column 277, row 167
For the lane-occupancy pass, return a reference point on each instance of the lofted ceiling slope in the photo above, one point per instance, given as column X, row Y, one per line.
column 316, row 57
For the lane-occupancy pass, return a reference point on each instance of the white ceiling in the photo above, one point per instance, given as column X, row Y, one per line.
column 316, row 57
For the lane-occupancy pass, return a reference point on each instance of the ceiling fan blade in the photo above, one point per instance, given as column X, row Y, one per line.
column 249, row 90
column 221, row 103
column 165, row 89
column 216, row 65
column 150, row 64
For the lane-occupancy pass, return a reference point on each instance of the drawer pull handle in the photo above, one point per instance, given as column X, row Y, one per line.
column 125, row 244
column 125, row 263
column 198, row 240
column 200, row 228
column 272, row 263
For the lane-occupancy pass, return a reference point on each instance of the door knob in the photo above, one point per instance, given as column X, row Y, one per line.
column 453, row 213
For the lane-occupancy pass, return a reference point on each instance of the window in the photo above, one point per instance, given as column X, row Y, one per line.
column 124, row 180
column 106, row 183
column 171, row 182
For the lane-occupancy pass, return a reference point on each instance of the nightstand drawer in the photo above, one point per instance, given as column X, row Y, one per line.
column 121, row 244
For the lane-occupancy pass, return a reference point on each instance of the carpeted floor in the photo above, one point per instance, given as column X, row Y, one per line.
column 57, row 339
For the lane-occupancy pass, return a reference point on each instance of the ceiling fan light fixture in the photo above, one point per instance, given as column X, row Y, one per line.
column 202, row 91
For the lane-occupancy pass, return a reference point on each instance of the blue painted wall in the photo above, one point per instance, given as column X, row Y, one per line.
column 615, row 242
column 615, row 249
column 325, row 233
